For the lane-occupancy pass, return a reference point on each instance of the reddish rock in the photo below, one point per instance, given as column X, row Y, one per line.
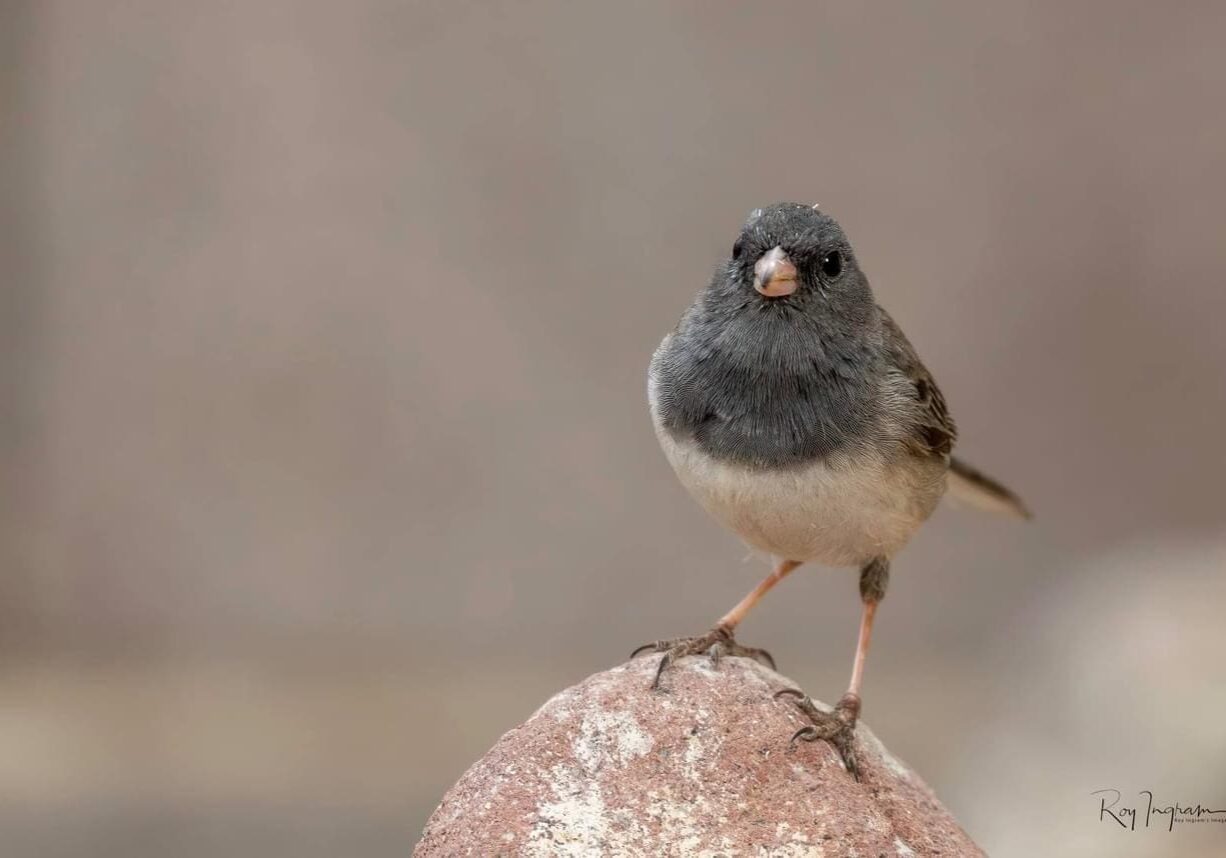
column 610, row 767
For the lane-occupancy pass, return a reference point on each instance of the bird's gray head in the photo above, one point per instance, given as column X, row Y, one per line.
column 778, row 360
column 792, row 260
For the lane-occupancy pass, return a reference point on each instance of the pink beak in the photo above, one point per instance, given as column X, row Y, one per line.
column 774, row 275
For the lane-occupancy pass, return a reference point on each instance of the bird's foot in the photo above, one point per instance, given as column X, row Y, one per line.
column 716, row 643
column 836, row 727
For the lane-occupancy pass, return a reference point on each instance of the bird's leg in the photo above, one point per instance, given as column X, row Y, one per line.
column 837, row 727
column 719, row 641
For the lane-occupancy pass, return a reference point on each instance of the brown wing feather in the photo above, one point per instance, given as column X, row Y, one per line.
column 933, row 431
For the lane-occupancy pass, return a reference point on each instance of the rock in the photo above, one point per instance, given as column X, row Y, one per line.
column 610, row 767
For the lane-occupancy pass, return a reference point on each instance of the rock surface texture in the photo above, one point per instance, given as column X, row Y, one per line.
column 701, row 768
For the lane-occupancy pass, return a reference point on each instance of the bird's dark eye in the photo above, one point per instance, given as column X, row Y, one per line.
column 738, row 248
column 832, row 264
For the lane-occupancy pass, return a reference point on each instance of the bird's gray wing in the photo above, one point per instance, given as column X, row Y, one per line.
column 930, row 430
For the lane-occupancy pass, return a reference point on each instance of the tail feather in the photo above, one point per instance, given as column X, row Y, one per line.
column 977, row 489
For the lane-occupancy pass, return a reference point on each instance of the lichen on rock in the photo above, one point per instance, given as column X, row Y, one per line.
column 702, row 768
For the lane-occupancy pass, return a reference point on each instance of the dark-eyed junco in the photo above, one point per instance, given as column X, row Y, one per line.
column 796, row 412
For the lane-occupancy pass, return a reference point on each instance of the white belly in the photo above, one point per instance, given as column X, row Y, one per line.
column 842, row 511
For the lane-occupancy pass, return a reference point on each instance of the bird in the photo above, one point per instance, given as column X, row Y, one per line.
column 792, row 407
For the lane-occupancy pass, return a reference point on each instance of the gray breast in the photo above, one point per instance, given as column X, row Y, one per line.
column 764, row 395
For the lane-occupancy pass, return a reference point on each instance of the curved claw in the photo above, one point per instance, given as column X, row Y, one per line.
column 804, row 734
column 653, row 646
column 789, row 692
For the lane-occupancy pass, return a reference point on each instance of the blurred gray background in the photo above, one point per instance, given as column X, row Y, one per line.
column 325, row 450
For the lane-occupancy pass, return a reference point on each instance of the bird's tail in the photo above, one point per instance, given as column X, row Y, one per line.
column 979, row 490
